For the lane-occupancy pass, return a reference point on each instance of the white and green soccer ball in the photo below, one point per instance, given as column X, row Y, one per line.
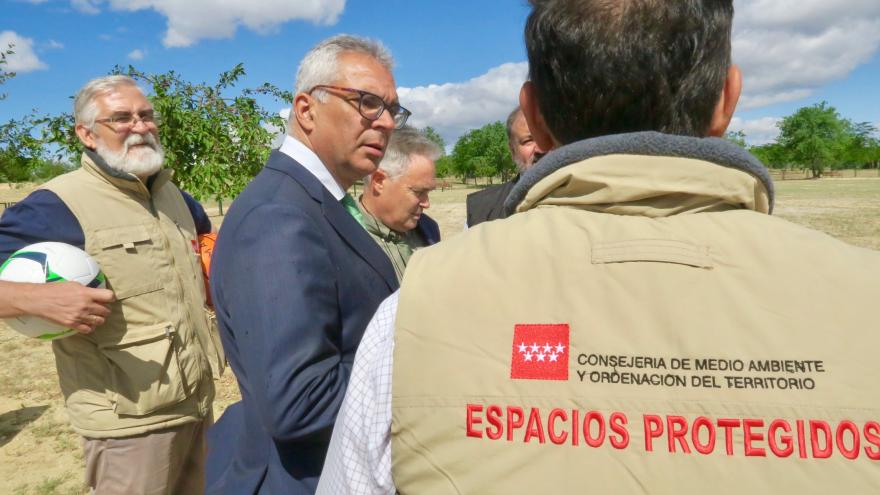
column 48, row 262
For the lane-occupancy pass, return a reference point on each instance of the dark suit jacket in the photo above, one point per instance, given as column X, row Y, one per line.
column 295, row 280
column 428, row 229
column 488, row 204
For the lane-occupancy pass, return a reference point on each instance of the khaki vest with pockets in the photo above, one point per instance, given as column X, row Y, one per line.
column 149, row 366
column 570, row 350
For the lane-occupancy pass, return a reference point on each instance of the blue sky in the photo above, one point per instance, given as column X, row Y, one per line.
column 459, row 63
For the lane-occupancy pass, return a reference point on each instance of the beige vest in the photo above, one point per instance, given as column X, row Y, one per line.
column 687, row 343
column 150, row 365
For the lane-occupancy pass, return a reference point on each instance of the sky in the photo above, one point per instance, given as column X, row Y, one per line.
column 459, row 64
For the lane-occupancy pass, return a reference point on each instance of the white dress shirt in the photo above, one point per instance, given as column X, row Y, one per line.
column 359, row 458
column 293, row 148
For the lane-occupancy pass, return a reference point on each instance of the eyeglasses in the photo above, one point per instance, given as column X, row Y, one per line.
column 371, row 106
column 126, row 121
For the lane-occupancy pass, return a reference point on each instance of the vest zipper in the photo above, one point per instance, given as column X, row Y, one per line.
column 185, row 317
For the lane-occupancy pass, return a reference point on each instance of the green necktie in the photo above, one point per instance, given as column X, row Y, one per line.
column 352, row 208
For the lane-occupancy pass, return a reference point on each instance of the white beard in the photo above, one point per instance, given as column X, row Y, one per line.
column 142, row 161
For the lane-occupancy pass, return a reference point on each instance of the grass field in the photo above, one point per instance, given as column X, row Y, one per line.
column 39, row 454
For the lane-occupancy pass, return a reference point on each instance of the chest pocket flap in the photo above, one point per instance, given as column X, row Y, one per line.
column 130, row 259
column 125, row 237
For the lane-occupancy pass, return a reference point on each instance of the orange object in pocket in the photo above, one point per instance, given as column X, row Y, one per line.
column 206, row 249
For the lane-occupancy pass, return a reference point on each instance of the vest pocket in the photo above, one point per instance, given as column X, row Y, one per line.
column 130, row 258
column 145, row 374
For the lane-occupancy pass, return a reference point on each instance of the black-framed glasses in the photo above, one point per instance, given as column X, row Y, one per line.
column 125, row 121
column 371, row 106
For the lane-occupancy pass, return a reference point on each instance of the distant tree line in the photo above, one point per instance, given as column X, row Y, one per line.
column 817, row 138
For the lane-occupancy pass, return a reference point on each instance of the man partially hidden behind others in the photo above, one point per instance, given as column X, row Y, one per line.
column 488, row 204
column 641, row 235
column 396, row 196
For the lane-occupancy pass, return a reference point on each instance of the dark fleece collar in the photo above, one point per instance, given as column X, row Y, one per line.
column 716, row 150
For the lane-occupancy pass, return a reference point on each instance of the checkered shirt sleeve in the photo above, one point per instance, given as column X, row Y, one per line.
column 359, row 458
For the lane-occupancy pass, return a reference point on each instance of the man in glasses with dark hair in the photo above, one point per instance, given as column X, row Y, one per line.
column 296, row 276
column 138, row 382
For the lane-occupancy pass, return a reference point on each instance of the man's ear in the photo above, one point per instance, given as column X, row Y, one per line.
column 378, row 180
column 528, row 101
column 726, row 102
column 303, row 110
column 85, row 135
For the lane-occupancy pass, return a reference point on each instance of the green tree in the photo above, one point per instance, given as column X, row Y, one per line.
column 483, row 152
column 215, row 140
column 445, row 166
column 861, row 149
column 23, row 156
column 773, row 155
column 433, row 135
column 814, row 137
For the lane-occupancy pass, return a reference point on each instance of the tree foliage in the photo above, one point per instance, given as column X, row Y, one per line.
column 434, row 136
column 23, row 156
column 5, row 75
column 483, row 152
column 862, row 147
column 814, row 137
column 445, row 166
column 773, row 155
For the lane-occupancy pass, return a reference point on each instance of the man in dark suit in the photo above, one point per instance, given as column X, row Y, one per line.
column 396, row 196
column 488, row 204
column 296, row 277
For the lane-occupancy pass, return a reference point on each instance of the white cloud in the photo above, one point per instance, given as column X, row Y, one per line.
column 786, row 48
column 455, row 107
column 54, row 45
column 789, row 48
column 757, row 131
column 192, row 20
column 24, row 59
column 137, row 54
column 86, row 6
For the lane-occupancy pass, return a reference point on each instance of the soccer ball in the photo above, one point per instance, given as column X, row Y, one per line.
column 47, row 262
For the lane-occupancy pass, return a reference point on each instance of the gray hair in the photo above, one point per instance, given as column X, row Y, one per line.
column 85, row 110
column 320, row 65
column 406, row 142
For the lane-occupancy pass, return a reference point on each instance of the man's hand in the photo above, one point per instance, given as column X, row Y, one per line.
column 67, row 303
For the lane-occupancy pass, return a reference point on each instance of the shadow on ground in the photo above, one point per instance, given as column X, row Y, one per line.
column 12, row 422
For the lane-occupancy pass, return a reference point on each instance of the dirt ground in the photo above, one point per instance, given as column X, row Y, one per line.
column 40, row 455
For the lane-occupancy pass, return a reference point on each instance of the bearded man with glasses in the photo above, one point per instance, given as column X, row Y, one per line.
column 138, row 379
column 296, row 277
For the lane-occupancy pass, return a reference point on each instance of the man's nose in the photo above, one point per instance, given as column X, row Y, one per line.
column 140, row 127
column 385, row 121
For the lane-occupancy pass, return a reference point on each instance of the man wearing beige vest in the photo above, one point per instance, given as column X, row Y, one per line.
column 659, row 330
column 139, row 387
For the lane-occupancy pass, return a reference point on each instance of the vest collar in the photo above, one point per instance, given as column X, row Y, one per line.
column 93, row 163
column 646, row 173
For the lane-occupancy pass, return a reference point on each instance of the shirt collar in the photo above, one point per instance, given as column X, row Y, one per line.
column 293, row 148
column 379, row 229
